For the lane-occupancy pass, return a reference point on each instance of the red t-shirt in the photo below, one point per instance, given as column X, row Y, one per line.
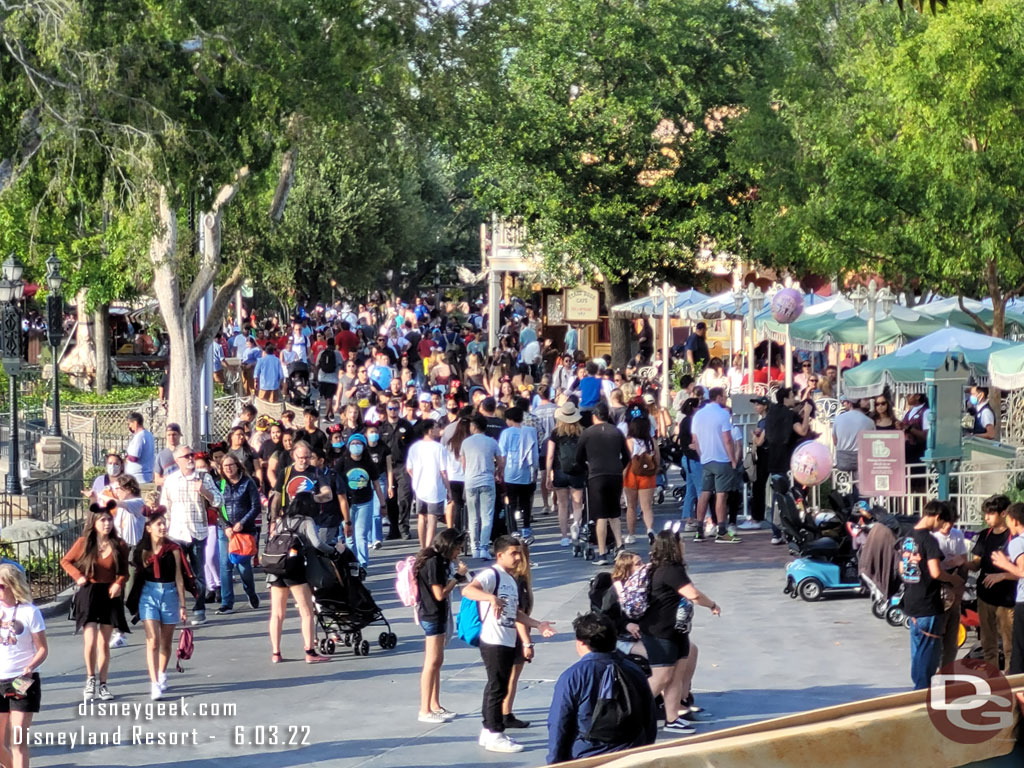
column 425, row 346
column 346, row 342
column 316, row 349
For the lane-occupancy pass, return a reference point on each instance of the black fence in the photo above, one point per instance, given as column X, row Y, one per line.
column 41, row 560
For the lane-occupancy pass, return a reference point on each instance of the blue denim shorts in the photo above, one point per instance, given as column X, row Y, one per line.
column 159, row 602
column 433, row 628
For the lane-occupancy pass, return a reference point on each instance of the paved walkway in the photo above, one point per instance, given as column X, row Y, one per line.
column 765, row 656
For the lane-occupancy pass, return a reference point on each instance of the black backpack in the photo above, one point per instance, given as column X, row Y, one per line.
column 283, row 552
column 567, row 453
column 328, row 362
column 614, row 719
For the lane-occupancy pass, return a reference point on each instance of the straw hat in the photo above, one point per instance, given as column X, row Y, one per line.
column 567, row 413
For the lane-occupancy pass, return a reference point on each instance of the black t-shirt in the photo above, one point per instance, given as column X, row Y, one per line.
column 495, row 427
column 660, row 618
column 330, row 513
column 923, row 594
column 357, row 477
column 379, row 456
column 779, row 437
column 1004, row 593
column 317, row 441
column 602, row 450
column 686, row 438
column 268, row 449
column 434, row 571
column 398, row 438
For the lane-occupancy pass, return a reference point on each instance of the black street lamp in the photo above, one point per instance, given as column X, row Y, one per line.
column 55, row 331
column 12, row 288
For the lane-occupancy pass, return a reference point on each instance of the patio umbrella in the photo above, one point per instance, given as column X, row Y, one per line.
column 650, row 306
column 949, row 311
column 810, row 330
column 1006, row 367
column 904, row 369
column 902, row 324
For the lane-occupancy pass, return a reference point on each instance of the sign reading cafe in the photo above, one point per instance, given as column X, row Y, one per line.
column 581, row 305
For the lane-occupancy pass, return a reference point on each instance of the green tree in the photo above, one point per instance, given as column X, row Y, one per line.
column 609, row 136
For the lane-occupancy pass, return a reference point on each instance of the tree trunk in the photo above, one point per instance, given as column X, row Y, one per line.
column 618, row 327
column 101, row 334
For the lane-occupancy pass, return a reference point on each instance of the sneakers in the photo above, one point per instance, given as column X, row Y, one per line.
column 199, row 617
column 254, row 601
column 498, row 742
column 698, row 536
column 224, row 610
column 104, row 693
column 696, row 715
column 155, row 691
column 574, row 531
column 377, row 545
column 565, row 542
column 312, row 657
column 447, row 714
column 161, row 680
column 546, row 510
column 630, row 539
column 434, row 718
column 483, row 554
column 90, row 687
column 528, row 535
column 749, row 525
column 690, row 525
column 117, row 640
column 778, row 540
column 727, row 538
column 680, row 726
column 650, row 538
column 600, row 560
column 511, row 721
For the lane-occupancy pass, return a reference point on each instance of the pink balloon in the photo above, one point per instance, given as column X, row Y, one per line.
column 811, row 463
column 787, row 305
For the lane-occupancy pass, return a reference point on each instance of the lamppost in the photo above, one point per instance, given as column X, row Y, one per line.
column 334, row 288
column 754, row 297
column 11, row 290
column 55, row 331
column 869, row 297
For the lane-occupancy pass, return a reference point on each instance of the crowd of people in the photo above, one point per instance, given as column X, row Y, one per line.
column 415, row 428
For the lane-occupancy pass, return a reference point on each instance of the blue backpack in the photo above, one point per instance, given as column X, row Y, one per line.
column 468, row 624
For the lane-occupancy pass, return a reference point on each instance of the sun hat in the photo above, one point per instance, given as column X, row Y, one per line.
column 567, row 413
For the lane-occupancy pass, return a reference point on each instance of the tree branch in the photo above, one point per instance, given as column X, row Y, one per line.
column 284, row 184
column 221, row 302
column 974, row 316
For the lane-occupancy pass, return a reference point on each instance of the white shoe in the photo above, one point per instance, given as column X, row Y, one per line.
column 117, row 640
column 749, row 525
column 502, row 743
column 630, row 539
column 690, row 525
column 435, row 718
column 574, row 531
column 565, row 542
column 155, row 691
column 778, row 540
column 161, row 680
column 485, row 737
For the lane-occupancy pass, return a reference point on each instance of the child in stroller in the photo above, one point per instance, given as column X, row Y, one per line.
column 300, row 390
column 342, row 604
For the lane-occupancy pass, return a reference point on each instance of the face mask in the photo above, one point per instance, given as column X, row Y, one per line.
column 372, row 438
column 356, row 449
column 337, row 445
column 974, row 399
column 113, row 470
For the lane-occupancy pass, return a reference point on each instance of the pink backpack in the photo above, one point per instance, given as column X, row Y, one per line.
column 405, row 582
column 185, row 647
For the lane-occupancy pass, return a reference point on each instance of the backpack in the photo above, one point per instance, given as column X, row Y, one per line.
column 468, row 623
column 642, row 465
column 405, row 582
column 283, row 550
column 328, row 362
column 613, row 720
column 567, row 453
column 636, row 591
column 684, row 616
column 186, row 644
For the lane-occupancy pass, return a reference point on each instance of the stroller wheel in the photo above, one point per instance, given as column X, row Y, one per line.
column 365, row 647
column 322, row 647
column 392, row 641
column 879, row 608
column 330, row 647
column 356, row 650
column 382, row 640
column 347, row 639
column 357, row 637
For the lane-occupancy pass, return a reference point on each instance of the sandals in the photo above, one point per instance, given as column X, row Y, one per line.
column 275, row 657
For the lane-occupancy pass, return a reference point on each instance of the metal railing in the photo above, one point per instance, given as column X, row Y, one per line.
column 41, row 560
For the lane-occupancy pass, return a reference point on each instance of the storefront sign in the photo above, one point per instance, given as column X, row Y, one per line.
column 881, row 465
column 582, row 305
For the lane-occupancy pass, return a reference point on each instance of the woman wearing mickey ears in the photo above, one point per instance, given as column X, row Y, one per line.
column 98, row 563
column 358, row 475
column 23, row 649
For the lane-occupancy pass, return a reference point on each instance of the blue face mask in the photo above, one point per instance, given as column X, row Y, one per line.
column 372, row 438
column 338, row 445
column 356, row 449
column 974, row 399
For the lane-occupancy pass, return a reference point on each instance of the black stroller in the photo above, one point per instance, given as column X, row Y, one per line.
column 300, row 388
column 343, row 606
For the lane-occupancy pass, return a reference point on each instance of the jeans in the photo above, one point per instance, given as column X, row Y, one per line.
column 925, row 648
column 227, row 587
column 195, row 551
column 362, row 529
column 480, row 508
column 693, row 482
column 498, row 661
column 378, row 521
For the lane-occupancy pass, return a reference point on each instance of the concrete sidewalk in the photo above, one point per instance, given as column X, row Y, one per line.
column 767, row 655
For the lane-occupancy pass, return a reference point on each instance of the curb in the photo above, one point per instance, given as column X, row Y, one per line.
column 59, row 606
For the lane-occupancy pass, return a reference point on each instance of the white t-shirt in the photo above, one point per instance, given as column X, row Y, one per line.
column 21, row 620
column 426, row 460
column 951, row 544
column 497, row 630
column 708, row 425
column 848, row 425
column 129, row 521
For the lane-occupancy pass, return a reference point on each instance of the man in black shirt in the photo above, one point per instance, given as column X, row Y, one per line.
column 921, row 569
column 396, row 434
column 603, row 453
column 996, row 588
column 312, row 433
column 697, row 352
column 267, row 450
column 495, row 426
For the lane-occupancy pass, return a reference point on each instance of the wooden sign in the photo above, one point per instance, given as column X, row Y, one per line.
column 581, row 305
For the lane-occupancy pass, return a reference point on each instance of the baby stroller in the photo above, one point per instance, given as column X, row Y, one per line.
column 300, row 390
column 342, row 605
column 585, row 538
column 671, row 453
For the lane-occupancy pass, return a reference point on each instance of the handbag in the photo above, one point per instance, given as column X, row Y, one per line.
column 242, row 545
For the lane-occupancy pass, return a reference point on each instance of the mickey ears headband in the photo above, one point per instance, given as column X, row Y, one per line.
column 98, row 509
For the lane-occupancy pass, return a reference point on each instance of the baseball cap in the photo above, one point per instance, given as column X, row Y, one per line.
column 173, row 427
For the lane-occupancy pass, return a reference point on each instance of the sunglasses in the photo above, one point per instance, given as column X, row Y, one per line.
column 187, row 456
column 880, row 402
